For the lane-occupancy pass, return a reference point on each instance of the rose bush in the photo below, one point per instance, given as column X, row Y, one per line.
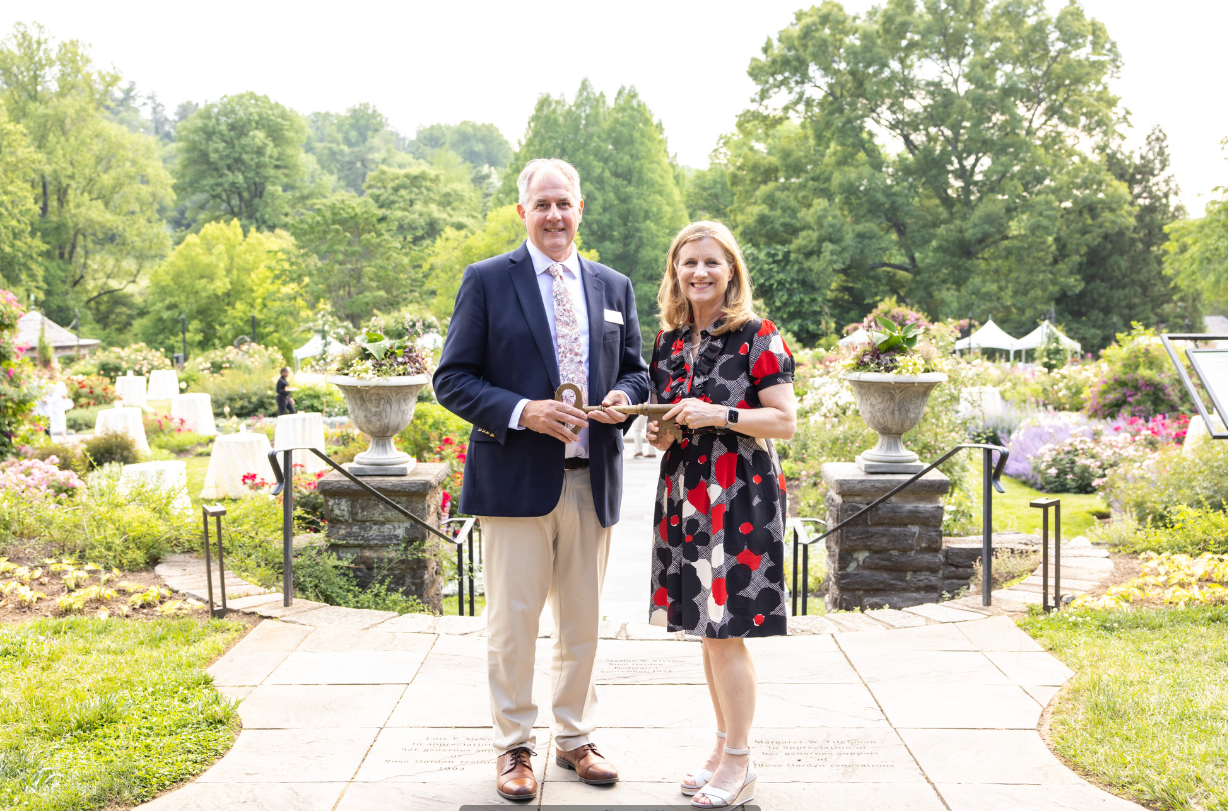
column 40, row 480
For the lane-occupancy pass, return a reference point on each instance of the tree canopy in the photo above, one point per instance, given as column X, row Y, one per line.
column 219, row 279
column 937, row 151
column 632, row 204
column 238, row 157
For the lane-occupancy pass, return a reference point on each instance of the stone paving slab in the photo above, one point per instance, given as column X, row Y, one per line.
column 332, row 706
column 331, row 616
column 200, row 796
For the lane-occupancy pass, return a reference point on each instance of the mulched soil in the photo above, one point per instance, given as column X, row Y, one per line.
column 51, row 585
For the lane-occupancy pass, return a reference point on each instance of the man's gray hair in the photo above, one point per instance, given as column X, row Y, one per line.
column 538, row 164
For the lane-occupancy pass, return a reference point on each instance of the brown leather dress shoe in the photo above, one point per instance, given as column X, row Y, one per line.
column 588, row 764
column 514, row 778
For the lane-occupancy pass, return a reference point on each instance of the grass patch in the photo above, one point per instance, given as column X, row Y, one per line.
column 1147, row 711
column 1011, row 512
column 96, row 713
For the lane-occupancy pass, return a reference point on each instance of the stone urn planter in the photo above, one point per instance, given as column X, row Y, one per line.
column 381, row 408
column 892, row 405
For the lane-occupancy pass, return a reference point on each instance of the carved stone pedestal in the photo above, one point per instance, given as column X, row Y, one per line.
column 892, row 558
column 381, row 543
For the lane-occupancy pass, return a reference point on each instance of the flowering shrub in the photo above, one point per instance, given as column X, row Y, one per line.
column 1037, row 433
column 1139, row 380
column 39, row 480
column 252, row 356
column 87, row 391
column 1160, row 428
column 137, row 358
column 451, row 452
column 1153, row 490
column 1063, row 389
column 18, row 390
column 1081, row 463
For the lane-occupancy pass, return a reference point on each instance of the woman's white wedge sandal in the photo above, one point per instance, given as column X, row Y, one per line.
column 699, row 778
column 720, row 798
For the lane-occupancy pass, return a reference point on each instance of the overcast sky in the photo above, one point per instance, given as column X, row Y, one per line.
column 422, row 63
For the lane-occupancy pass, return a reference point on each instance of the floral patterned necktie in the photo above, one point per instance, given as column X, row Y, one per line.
column 567, row 328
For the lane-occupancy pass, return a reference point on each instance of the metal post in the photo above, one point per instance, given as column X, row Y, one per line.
column 216, row 514
column 208, row 560
column 253, row 329
column 460, row 579
column 183, row 327
column 987, row 527
column 287, row 530
column 471, row 589
column 795, row 544
column 1057, row 554
column 805, row 575
column 1044, row 561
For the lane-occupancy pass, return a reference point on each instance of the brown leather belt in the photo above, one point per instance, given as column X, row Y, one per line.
column 574, row 463
column 694, row 431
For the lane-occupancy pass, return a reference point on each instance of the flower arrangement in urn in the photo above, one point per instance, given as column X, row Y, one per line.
column 380, row 378
column 892, row 376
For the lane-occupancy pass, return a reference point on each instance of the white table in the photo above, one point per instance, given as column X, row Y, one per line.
column 130, row 390
column 300, row 430
column 196, row 411
column 171, row 477
column 235, row 456
column 163, row 384
column 123, row 420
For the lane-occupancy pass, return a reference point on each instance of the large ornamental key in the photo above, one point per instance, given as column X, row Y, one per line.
column 654, row 411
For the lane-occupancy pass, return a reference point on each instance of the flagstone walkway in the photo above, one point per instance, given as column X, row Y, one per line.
column 930, row 708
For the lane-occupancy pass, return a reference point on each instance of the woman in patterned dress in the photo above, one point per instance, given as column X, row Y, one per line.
column 718, row 543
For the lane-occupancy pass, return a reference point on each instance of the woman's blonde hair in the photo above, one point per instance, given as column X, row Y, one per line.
column 672, row 302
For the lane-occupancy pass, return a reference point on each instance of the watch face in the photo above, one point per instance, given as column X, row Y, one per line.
column 733, row 416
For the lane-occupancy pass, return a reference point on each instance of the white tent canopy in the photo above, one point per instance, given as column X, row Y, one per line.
column 316, row 346
column 1044, row 333
column 990, row 336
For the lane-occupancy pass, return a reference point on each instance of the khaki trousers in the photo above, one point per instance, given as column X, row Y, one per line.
column 560, row 557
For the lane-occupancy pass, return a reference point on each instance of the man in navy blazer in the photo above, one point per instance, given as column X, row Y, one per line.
column 544, row 477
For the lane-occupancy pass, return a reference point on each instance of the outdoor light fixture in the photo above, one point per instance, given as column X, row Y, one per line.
column 1211, row 366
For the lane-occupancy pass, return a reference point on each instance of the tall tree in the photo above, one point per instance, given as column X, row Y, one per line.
column 99, row 188
column 351, row 145
column 353, row 257
column 476, row 144
column 1122, row 273
column 239, row 157
column 20, row 248
column 1197, row 255
column 632, row 205
column 219, row 279
column 421, row 201
column 931, row 150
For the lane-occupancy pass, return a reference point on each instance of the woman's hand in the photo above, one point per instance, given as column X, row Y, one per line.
column 653, row 434
column 695, row 413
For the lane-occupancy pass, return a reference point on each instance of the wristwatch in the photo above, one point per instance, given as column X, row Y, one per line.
column 732, row 417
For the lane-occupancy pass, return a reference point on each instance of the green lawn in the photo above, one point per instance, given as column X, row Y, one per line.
column 1011, row 512
column 1147, row 710
column 98, row 713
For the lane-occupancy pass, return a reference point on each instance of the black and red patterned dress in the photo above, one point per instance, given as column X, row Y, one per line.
column 718, row 541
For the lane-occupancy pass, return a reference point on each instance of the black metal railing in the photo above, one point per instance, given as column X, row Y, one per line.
column 1044, row 505
column 803, row 539
column 287, row 503
column 992, row 475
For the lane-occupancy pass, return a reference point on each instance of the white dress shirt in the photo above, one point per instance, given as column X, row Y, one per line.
column 575, row 288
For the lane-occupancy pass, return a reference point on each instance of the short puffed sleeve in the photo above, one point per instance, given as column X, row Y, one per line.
column 771, row 363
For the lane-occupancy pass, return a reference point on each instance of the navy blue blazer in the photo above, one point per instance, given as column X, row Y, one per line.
column 498, row 351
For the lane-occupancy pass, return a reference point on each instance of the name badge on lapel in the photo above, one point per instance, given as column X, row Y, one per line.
column 614, row 316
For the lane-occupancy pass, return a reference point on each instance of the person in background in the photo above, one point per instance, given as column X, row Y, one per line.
column 285, row 403
column 638, row 430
